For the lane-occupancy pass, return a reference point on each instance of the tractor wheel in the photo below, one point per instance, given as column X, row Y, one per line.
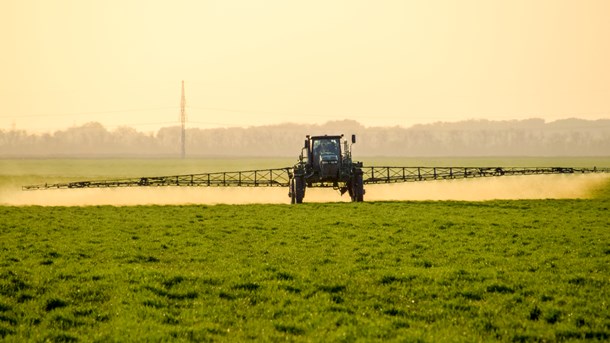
column 357, row 187
column 293, row 194
column 297, row 189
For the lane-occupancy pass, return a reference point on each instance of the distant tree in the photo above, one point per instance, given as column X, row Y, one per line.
column 531, row 137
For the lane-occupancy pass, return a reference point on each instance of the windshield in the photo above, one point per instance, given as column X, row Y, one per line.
column 326, row 146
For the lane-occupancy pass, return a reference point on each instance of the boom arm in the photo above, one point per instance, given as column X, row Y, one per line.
column 373, row 175
column 280, row 177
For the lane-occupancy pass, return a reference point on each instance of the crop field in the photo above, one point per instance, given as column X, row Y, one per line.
column 508, row 270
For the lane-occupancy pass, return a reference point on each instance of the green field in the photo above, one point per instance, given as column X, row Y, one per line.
column 518, row 270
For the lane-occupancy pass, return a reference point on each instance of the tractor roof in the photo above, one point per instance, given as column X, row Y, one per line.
column 327, row 137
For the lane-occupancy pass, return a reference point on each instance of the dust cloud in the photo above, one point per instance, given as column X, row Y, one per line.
column 509, row 187
column 513, row 187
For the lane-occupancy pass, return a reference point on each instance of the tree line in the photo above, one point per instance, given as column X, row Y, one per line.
column 531, row 137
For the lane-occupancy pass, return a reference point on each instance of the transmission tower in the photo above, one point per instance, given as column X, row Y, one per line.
column 183, row 122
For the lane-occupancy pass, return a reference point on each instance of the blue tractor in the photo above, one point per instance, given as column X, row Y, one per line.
column 326, row 161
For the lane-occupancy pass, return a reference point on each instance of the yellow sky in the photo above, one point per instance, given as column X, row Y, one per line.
column 244, row 62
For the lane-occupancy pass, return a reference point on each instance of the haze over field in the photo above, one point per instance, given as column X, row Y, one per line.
column 385, row 63
column 531, row 137
column 15, row 173
column 519, row 187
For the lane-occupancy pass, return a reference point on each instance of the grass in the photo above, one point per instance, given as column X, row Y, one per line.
column 525, row 270
column 386, row 271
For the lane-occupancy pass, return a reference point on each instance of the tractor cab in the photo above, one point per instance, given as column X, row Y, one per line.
column 324, row 156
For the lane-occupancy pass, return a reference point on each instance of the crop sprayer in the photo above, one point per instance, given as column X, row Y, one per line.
column 325, row 161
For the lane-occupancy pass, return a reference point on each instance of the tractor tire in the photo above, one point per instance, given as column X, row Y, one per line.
column 357, row 187
column 293, row 194
column 297, row 189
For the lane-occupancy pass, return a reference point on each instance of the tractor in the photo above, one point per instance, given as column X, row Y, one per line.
column 326, row 161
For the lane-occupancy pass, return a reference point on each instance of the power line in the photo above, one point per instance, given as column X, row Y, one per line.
column 412, row 117
column 309, row 115
column 252, row 111
column 74, row 114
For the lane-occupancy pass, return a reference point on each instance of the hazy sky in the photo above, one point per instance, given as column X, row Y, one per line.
column 245, row 62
